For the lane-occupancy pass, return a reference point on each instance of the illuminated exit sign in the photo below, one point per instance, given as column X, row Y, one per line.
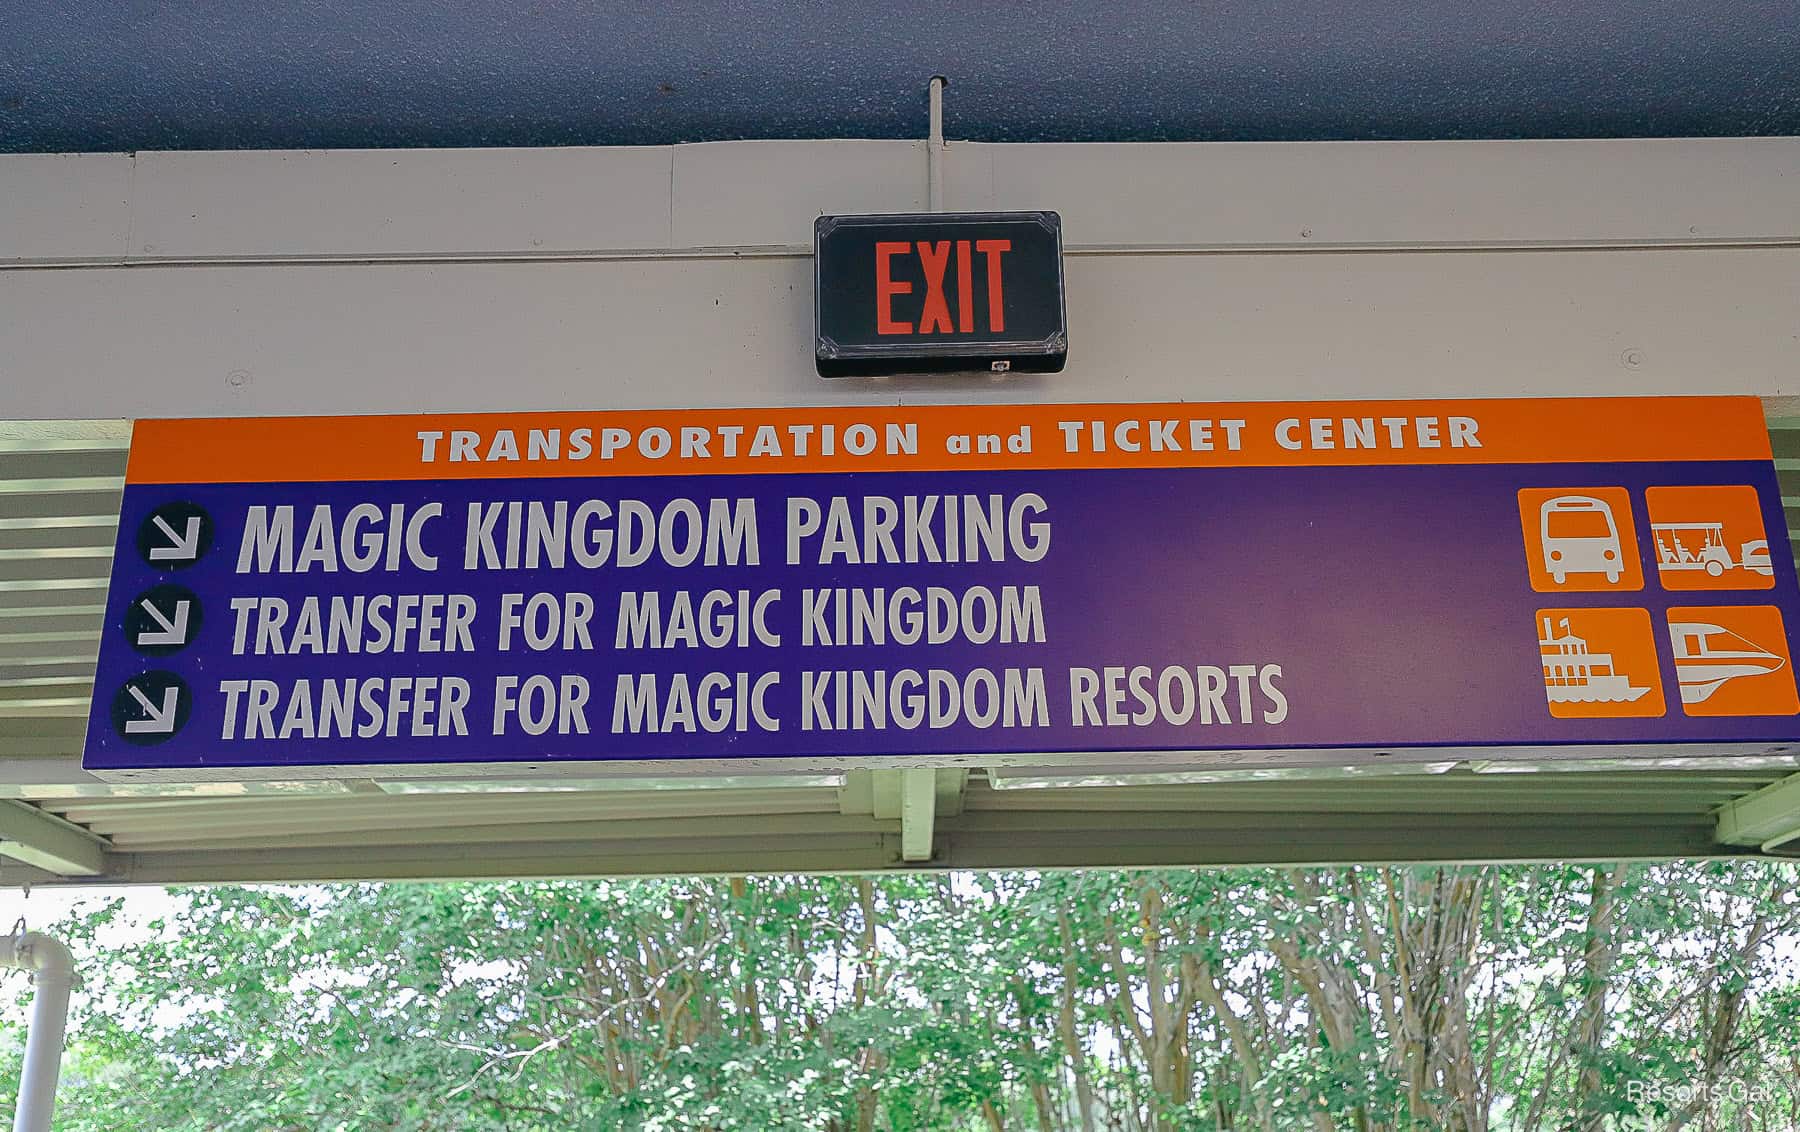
column 939, row 293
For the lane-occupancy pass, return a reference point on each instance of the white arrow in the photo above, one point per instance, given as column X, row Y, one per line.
column 161, row 721
column 172, row 632
column 186, row 546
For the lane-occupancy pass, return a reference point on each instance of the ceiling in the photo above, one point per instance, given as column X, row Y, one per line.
column 116, row 75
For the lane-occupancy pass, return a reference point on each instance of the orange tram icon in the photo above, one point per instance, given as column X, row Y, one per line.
column 1676, row 551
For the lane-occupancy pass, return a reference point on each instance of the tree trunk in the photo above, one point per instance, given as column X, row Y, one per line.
column 866, row 1099
column 1721, row 1028
column 1045, row 1103
column 1167, row 1051
column 1596, row 971
column 748, row 1004
column 1067, row 1026
column 992, row 1116
column 1205, row 981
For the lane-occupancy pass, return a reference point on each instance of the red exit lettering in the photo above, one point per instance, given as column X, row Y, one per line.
column 935, row 260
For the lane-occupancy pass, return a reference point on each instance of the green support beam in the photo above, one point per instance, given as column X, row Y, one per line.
column 29, row 835
column 1767, row 819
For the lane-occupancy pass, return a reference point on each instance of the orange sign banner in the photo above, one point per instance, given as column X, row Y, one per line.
column 458, row 446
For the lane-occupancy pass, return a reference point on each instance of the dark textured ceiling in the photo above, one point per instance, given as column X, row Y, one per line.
column 220, row 74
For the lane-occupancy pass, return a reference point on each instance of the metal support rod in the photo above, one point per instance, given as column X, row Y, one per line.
column 934, row 147
column 52, row 972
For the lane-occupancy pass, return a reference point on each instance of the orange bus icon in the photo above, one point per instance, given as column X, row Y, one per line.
column 1580, row 539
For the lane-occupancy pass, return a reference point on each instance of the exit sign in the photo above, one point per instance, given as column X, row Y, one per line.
column 939, row 293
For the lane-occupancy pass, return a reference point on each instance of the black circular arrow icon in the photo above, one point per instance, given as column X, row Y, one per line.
column 174, row 536
column 149, row 709
column 163, row 619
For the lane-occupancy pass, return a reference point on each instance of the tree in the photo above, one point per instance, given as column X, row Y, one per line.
column 1497, row 999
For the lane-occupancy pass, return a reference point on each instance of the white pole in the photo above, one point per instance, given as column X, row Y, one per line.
column 934, row 147
column 52, row 972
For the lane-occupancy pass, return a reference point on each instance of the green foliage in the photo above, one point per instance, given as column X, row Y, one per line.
column 1525, row 999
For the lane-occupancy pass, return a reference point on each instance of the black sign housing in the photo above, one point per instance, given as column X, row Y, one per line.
column 939, row 293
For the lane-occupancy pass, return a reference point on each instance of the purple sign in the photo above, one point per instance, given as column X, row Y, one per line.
column 964, row 614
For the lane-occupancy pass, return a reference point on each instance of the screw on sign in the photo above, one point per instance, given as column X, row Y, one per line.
column 174, row 536
column 150, row 708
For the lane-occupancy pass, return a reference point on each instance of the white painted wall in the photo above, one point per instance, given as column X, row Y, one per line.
column 177, row 284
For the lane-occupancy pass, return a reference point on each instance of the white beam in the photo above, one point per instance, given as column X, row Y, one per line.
column 28, row 834
column 857, row 794
column 568, row 201
column 1314, row 270
column 622, row 334
column 885, row 795
column 913, row 797
column 918, row 813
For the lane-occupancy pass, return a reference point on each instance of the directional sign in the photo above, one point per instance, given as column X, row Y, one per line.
column 174, row 536
column 151, row 708
column 162, row 619
column 827, row 588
